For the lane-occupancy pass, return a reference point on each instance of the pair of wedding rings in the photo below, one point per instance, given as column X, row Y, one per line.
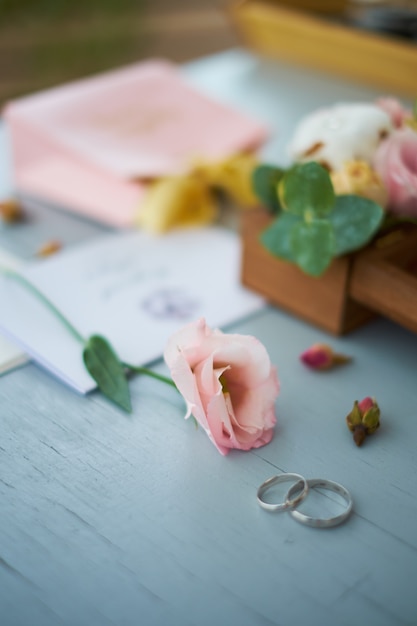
column 297, row 493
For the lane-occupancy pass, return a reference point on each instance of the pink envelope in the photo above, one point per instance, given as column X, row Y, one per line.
column 88, row 146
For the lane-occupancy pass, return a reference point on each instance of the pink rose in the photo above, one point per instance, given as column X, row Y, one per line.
column 395, row 110
column 228, row 383
column 396, row 163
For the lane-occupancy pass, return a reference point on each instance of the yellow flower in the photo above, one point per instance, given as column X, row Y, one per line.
column 174, row 202
column 234, row 176
column 188, row 200
column 357, row 177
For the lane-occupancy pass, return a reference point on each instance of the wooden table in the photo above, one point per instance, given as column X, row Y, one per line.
column 113, row 519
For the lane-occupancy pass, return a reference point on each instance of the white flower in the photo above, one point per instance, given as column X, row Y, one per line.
column 341, row 133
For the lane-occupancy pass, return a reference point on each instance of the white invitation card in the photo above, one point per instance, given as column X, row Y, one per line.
column 134, row 288
column 11, row 355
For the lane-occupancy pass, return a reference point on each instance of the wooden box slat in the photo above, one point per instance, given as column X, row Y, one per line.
column 378, row 280
column 385, row 279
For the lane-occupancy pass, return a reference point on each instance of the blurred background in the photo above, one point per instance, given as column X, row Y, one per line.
column 47, row 42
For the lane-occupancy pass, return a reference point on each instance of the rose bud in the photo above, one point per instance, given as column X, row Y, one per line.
column 363, row 419
column 320, row 356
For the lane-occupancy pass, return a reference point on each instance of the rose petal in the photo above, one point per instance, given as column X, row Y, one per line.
column 396, row 163
column 240, row 414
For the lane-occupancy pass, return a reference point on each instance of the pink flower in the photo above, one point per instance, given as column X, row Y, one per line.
column 396, row 163
column 395, row 110
column 366, row 404
column 320, row 356
column 363, row 420
column 228, row 383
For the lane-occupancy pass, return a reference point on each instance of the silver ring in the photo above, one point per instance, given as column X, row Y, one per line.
column 319, row 522
column 289, row 502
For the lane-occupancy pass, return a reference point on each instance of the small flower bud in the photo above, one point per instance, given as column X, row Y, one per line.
column 321, row 357
column 363, row 419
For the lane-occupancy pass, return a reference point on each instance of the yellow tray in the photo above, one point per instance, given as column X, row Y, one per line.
column 311, row 40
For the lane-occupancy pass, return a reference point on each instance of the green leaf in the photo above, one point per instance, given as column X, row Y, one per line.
column 265, row 181
column 307, row 189
column 277, row 237
column 106, row 369
column 312, row 244
column 355, row 220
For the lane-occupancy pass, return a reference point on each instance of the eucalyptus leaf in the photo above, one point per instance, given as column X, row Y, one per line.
column 306, row 189
column 355, row 220
column 106, row 369
column 265, row 181
column 312, row 244
column 277, row 237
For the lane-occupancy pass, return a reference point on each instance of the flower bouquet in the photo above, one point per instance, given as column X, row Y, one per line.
column 349, row 195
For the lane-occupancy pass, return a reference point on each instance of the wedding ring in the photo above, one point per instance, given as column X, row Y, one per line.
column 319, row 522
column 300, row 486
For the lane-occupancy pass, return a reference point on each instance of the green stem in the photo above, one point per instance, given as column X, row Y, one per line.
column 53, row 309
column 40, row 296
column 147, row 372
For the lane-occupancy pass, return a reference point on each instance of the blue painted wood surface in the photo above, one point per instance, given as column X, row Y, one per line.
column 108, row 519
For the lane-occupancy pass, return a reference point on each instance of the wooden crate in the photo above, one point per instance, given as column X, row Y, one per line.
column 309, row 39
column 384, row 277
column 322, row 301
column 381, row 279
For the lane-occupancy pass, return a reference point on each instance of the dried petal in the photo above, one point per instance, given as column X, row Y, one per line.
column 11, row 211
column 48, row 248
